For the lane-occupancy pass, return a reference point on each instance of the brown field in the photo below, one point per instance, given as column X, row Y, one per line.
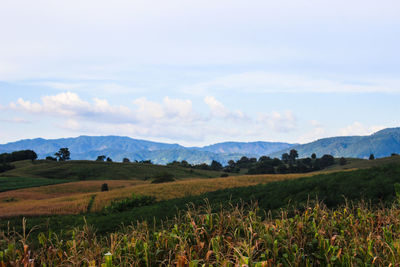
column 73, row 198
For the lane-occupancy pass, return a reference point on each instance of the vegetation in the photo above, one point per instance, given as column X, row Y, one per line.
column 17, row 156
column 317, row 236
column 13, row 183
column 6, row 167
column 93, row 170
column 63, row 154
column 129, row 203
column 163, row 178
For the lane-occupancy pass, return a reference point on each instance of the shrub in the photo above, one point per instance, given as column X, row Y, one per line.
column 129, row 203
column 6, row 167
column 163, row 178
column 224, row 175
column 104, row 187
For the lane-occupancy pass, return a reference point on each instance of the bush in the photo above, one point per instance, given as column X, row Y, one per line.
column 129, row 203
column 104, row 187
column 224, row 175
column 6, row 167
column 163, row 178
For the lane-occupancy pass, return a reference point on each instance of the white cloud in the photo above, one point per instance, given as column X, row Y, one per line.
column 358, row 128
column 16, row 120
column 279, row 121
column 169, row 119
column 267, row 82
column 220, row 111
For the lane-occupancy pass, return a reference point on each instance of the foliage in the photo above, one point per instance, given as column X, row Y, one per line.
column 51, row 158
column 6, row 167
column 371, row 157
column 351, row 235
column 129, row 203
column 126, row 160
column 17, row 156
column 63, row 154
column 163, row 178
column 101, row 158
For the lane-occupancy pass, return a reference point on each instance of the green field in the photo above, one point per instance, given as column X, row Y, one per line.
column 92, row 170
column 13, row 183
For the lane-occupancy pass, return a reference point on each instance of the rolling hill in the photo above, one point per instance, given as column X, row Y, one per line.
column 382, row 143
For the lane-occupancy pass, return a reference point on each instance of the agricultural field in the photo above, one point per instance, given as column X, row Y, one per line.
column 73, row 198
column 267, row 209
column 354, row 235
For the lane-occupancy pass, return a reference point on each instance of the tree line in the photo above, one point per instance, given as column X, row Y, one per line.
column 289, row 163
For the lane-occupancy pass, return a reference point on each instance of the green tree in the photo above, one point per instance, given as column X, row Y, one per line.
column 371, row 157
column 109, row 159
column 101, row 158
column 293, row 155
column 313, row 156
column 125, row 160
column 216, row 166
column 285, row 158
column 63, row 154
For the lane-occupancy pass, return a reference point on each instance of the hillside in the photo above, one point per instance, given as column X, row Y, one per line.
column 116, row 147
column 92, row 170
column 382, row 144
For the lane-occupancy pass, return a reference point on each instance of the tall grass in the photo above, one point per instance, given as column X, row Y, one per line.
column 347, row 236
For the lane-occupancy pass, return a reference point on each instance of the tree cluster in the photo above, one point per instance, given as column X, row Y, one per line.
column 214, row 166
column 17, row 156
column 289, row 163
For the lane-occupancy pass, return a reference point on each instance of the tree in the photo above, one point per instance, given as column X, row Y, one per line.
column 51, row 158
column 342, row 161
column 293, row 155
column 101, row 158
column 285, row 158
column 63, row 154
column 109, row 159
column 371, row 157
column 313, row 156
column 327, row 160
column 125, row 160
column 216, row 166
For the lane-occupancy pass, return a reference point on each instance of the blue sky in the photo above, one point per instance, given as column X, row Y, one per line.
column 198, row 72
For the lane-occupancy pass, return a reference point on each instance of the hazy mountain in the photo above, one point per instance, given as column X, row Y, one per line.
column 115, row 147
column 381, row 144
column 255, row 148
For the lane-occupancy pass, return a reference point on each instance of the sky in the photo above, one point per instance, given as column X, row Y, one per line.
column 199, row 72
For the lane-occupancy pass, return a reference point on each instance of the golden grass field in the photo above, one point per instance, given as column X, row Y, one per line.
column 73, row 198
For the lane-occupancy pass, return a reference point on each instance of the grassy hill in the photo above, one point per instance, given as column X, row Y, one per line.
column 92, row 170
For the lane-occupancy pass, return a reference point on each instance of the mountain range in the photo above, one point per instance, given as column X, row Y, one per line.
column 382, row 143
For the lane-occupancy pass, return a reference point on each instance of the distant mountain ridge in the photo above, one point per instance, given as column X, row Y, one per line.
column 381, row 144
column 117, row 147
